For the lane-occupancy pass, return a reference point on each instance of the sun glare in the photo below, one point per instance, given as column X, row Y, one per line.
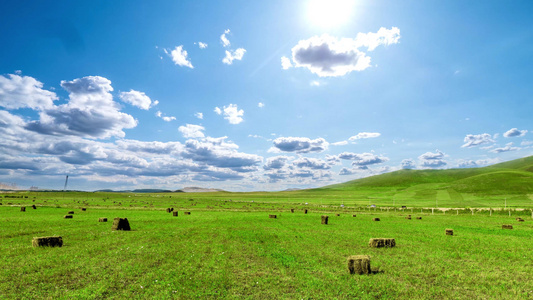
column 329, row 13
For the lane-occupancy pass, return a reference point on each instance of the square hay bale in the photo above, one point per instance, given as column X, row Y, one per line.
column 449, row 231
column 187, row 212
column 168, row 210
column 47, row 241
column 419, row 218
column 507, row 226
column 71, row 212
column 354, row 216
column 102, row 219
column 305, row 211
column 34, row 207
column 325, row 220
column 121, row 224
column 376, row 219
column 292, row 210
column 83, row 209
column 382, row 242
column 175, row 213
column 359, row 264
column 273, row 216
column 68, row 216
column 22, row 208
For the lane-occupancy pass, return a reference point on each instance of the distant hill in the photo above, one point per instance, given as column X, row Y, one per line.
column 512, row 177
column 199, row 190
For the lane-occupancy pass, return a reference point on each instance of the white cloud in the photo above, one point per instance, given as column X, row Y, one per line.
column 276, row 162
column 507, row 148
column 312, row 163
column 24, row 91
column 260, row 105
column 192, row 131
column 233, row 55
column 231, row 113
column 199, row 115
column 224, row 40
column 341, row 143
column 408, row 164
column 300, row 144
column 165, row 118
column 432, row 159
column 362, row 159
column 329, row 56
column 514, row 132
column 526, row 143
column 179, row 56
column 136, row 98
column 315, row 83
column 285, row 63
column 364, row 135
column 472, row 140
column 202, row 45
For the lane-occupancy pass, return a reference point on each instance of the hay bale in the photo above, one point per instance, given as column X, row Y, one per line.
column 102, row 219
column 187, row 212
column 273, row 216
column 47, row 241
column 34, row 207
column 419, row 218
column 382, row 242
column 175, row 213
column 408, row 217
column 520, row 219
column 338, row 215
column 292, row 210
column 359, row 264
column 70, row 212
column 376, row 219
column 305, row 211
column 354, row 216
column 83, row 209
column 449, row 231
column 325, row 220
column 68, row 216
column 507, row 226
column 121, row 224
column 168, row 210
column 23, row 208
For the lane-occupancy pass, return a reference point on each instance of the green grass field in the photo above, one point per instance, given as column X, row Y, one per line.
column 229, row 248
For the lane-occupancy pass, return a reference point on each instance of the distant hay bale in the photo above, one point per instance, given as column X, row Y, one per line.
column 47, row 241
column 325, row 220
column 83, row 209
column 419, row 218
column 520, row 219
column 507, row 226
column 338, row 215
column 23, row 208
column 408, row 217
column 273, row 216
column 359, row 264
column 34, row 207
column 175, row 213
column 292, row 210
column 187, row 212
column 168, row 210
column 68, row 216
column 376, row 219
column 121, row 224
column 449, row 231
column 382, row 242
column 305, row 211
column 70, row 212
column 354, row 216
column 102, row 219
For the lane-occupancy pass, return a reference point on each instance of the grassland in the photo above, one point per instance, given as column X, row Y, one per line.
column 229, row 248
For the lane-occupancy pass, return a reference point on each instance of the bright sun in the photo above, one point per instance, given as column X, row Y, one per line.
column 329, row 13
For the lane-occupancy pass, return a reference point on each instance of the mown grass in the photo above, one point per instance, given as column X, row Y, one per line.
column 231, row 249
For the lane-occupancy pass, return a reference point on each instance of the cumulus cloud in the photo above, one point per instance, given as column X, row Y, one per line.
column 159, row 114
column 202, row 45
column 224, row 40
column 275, row 163
column 199, row 115
column 179, row 57
column 514, row 132
column 432, row 159
column 300, row 144
column 329, row 56
column 362, row 159
column 138, row 99
column 472, row 140
column 260, row 105
column 233, row 55
column 311, row 163
column 285, row 63
column 231, row 113
column 364, row 135
column 507, row 148
column 346, row 171
column 192, row 131
column 24, row 92
column 408, row 164
column 90, row 112
column 220, row 153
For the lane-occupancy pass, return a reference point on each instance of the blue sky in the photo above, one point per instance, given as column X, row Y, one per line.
column 259, row 95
